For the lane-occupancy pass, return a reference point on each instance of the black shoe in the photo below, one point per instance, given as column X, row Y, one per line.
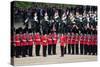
column 17, row 56
column 49, row 54
column 44, row 56
column 23, row 56
column 30, row 55
column 61, row 56
column 68, row 53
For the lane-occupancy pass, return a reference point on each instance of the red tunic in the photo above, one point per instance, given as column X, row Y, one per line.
column 50, row 41
column 69, row 40
column 95, row 39
column 81, row 38
column 24, row 40
column 86, row 40
column 77, row 39
column 17, row 40
column 55, row 38
column 66, row 39
column 90, row 40
column 62, row 40
column 37, row 39
column 72, row 40
column 44, row 40
column 30, row 40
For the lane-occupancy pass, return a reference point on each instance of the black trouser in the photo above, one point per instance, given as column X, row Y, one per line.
column 72, row 47
column 62, row 50
column 90, row 49
column 49, row 49
column 37, row 50
column 69, row 49
column 85, row 49
column 26, row 47
column 94, row 49
column 30, row 49
column 18, row 51
column 24, row 51
column 44, row 51
column 12, row 50
column 81, row 49
column 77, row 51
column 65, row 49
column 54, row 49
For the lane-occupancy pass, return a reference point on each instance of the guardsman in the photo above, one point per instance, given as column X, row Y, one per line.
column 30, row 43
column 50, row 43
column 86, row 44
column 55, row 39
column 81, row 39
column 17, row 43
column 24, row 43
column 69, row 43
column 77, row 43
column 44, row 42
column 90, row 44
column 72, row 42
column 62, row 44
column 94, row 42
column 66, row 43
column 95, row 45
column 12, row 43
column 37, row 41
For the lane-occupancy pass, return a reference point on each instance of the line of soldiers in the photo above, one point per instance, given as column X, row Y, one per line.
column 22, row 43
column 75, row 31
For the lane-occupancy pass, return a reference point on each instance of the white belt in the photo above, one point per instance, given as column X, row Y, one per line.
column 44, row 41
column 30, row 40
column 38, row 39
column 24, row 40
column 17, row 41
